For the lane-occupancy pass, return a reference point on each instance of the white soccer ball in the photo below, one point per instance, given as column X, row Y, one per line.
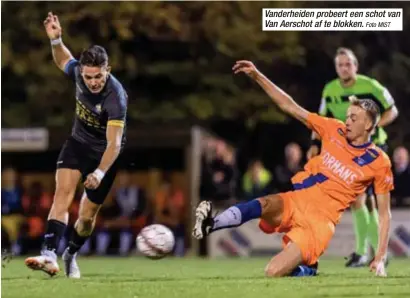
column 155, row 241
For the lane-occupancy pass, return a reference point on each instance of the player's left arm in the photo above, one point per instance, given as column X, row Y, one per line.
column 383, row 203
column 387, row 104
column 283, row 100
column 116, row 108
column 383, row 185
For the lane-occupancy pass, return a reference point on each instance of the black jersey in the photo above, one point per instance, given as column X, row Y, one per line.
column 95, row 111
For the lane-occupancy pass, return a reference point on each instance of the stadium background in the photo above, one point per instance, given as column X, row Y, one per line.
column 185, row 109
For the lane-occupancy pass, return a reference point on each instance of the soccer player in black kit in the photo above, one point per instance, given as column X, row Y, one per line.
column 89, row 154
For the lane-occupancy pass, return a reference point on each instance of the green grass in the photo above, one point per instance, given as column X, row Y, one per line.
column 197, row 278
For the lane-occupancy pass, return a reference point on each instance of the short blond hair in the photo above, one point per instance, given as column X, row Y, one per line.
column 347, row 52
column 369, row 105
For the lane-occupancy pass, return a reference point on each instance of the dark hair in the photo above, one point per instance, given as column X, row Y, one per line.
column 94, row 56
column 369, row 106
column 347, row 52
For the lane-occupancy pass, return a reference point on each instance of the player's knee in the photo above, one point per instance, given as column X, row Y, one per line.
column 271, row 271
column 63, row 194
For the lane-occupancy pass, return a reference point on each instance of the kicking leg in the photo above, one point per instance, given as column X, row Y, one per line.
column 83, row 228
column 90, row 204
column 66, row 183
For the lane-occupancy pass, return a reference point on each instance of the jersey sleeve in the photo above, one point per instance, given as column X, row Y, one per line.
column 385, row 99
column 383, row 181
column 70, row 67
column 116, row 107
column 321, row 125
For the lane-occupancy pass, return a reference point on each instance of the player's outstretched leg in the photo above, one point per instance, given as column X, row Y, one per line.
column 66, row 183
column 231, row 217
column 270, row 209
column 83, row 228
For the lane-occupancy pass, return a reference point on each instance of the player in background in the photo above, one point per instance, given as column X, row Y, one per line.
column 334, row 104
column 89, row 154
column 348, row 163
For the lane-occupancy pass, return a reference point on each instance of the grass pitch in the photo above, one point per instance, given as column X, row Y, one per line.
column 196, row 278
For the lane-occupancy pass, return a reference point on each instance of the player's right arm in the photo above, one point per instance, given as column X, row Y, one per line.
column 283, row 100
column 61, row 54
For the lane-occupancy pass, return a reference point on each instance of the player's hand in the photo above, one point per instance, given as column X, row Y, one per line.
column 246, row 67
column 53, row 27
column 92, row 181
column 312, row 152
column 378, row 267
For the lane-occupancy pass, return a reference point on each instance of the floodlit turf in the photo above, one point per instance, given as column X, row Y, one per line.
column 196, row 278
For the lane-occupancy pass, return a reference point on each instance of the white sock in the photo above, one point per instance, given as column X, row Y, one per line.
column 231, row 217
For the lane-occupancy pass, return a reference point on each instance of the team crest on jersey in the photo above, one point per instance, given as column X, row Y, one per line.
column 360, row 161
column 98, row 108
column 340, row 131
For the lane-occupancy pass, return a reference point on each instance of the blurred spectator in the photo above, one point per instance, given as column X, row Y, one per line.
column 11, row 208
column 293, row 164
column 401, row 172
column 257, row 181
column 169, row 210
column 36, row 205
column 218, row 173
column 125, row 217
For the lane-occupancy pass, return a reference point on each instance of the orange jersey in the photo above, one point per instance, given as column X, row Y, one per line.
column 342, row 171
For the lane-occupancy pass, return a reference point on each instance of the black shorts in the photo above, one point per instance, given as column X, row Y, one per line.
column 370, row 189
column 78, row 156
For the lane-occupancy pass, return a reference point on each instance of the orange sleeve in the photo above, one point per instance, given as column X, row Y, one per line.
column 383, row 181
column 321, row 125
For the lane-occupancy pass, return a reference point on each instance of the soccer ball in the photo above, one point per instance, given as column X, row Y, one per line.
column 155, row 241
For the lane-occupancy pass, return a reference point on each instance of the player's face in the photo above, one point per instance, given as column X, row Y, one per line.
column 95, row 77
column 345, row 67
column 357, row 123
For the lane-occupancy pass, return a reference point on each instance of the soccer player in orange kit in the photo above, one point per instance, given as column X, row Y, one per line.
column 348, row 163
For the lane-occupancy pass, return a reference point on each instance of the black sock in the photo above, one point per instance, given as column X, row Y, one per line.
column 76, row 241
column 54, row 232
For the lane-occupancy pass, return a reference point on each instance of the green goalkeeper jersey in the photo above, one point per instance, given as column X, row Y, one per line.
column 335, row 100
